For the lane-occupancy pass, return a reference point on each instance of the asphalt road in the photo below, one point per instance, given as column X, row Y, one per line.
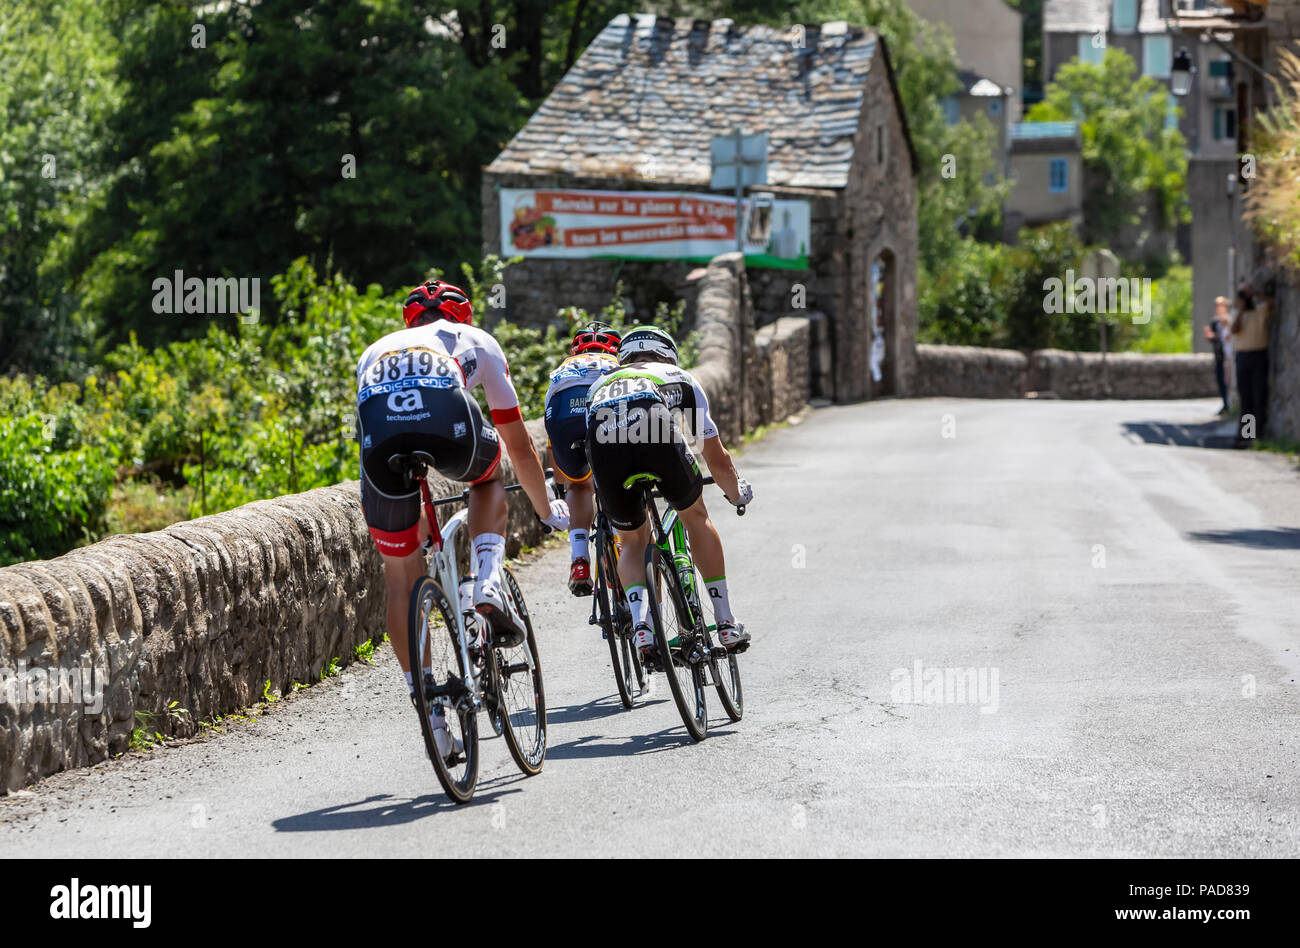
column 1128, row 606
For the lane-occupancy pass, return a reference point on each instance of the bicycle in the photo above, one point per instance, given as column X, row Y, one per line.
column 457, row 666
column 684, row 656
column 615, row 619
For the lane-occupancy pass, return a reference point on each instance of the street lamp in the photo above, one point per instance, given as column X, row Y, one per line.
column 1181, row 74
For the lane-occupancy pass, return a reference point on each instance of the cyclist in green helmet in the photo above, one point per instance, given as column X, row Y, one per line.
column 636, row 418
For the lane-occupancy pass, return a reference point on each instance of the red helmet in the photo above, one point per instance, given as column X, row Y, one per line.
column 595, row 337
column 450, row 302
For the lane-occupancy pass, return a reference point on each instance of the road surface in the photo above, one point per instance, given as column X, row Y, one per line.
column 1125, row 610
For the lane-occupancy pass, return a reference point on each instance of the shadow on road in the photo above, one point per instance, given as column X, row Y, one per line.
column 605, row 707
column 389, row 811
column 670, row 738
column 1276, row 538
column 1219, row 433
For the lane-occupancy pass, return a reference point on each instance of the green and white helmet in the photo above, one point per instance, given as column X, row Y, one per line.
column 647, row 344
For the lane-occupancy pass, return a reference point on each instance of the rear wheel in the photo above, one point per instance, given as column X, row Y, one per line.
column 627, row 666
column 684, row 662
column 438, row 676
column 517, row 676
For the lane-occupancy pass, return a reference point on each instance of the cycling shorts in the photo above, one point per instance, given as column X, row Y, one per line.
column 642, row 438
column 566, row 423
column 444, row 422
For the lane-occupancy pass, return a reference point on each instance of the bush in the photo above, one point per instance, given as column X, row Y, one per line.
column 50, row 500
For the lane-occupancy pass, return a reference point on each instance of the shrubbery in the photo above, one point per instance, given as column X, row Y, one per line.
column 244, row 413
column 994, row 295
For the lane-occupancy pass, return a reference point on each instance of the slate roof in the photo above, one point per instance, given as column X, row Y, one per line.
column 647, row 95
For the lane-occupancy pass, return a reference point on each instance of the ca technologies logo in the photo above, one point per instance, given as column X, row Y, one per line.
column 403, row 402
column 103, row 901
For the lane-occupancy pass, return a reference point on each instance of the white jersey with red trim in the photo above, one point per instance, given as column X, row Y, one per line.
column 440, row 354
column 584, row 369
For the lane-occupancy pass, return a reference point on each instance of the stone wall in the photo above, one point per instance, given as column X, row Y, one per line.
column 784, row 354
column 971, row 372
column 1122, row 375
column 206, row 613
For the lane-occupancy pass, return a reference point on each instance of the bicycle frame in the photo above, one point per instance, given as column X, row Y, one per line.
column 444, row 571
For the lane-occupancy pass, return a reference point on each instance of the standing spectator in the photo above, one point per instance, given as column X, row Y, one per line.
column 1216, row 331
column 1250, row 339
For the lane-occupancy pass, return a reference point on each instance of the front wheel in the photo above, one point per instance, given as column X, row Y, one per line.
column 438, row 677
column 684, row 660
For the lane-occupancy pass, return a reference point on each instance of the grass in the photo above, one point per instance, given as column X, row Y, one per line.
column 141, row 506
column 1283, row 446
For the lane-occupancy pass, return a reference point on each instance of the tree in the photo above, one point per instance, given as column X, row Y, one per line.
column 55, row 96
column 350, row 132
column 1128, row 149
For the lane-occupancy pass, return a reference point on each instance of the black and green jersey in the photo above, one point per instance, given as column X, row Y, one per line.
column 663, row 382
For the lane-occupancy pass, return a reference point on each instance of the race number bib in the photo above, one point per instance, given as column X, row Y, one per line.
column 416, row 367
column 624, row 388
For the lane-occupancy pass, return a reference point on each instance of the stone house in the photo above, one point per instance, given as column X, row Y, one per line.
column 1046, row 170
column 986, row 36
column 637, row 112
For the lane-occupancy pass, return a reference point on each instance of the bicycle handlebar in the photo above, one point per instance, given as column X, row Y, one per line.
column 549, row 472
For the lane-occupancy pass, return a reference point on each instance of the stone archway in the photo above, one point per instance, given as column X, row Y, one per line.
column 882, row 324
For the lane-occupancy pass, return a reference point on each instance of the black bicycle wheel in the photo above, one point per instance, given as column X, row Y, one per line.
column 672, row 620
column 627, row 667
column 724, row 670
column 517, row 674
column 438, row 676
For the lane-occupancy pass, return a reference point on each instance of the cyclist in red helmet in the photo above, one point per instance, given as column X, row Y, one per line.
column 413, row 393
column 592, row 353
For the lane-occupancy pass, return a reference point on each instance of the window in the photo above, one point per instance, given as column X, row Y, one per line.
column 1124, row 16
column 1092, row 48
column 1157, row 56
column 1225, row 124
column 1058, row 175
column 951, row 111
column 1171, row 113
column 995, row 106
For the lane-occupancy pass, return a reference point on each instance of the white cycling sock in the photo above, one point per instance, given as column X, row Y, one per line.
column 410, row 682
column 718, row 596
column 578, row 546
column 489, row 552
column 636, row 601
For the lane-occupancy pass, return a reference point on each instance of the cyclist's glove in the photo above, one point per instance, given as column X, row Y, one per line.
column 559, row 518
column 746, row 494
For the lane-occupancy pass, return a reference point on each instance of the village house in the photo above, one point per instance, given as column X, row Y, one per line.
column 833, row 231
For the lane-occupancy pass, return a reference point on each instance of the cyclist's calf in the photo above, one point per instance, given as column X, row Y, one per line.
column 706, row 545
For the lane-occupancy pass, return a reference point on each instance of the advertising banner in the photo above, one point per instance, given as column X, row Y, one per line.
column 653, row 225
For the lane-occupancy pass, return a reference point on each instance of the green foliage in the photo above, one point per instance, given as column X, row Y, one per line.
column 1170, row 328
column 994, row 295
column 56, row 92
column 1126, row 146
column 53, row 489
column 1273, row 200
column 204, row 425
column 346, row 132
